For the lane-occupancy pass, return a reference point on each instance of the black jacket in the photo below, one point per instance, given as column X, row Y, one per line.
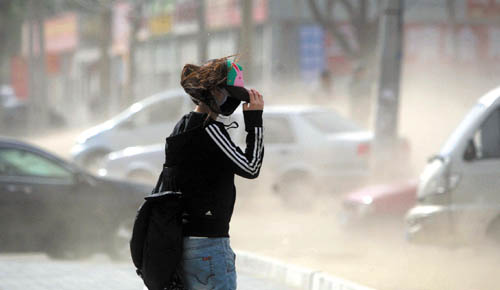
column 201, row 161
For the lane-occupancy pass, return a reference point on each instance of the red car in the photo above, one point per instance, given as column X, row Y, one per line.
column 379, row 201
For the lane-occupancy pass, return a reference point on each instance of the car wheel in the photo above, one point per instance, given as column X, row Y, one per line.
column 297, row 190
column 141, row 176
column 119, row 245
column 93, row 161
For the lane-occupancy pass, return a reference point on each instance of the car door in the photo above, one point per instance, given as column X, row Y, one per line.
column 30, row 187
column 280, row 142
column 475, row 181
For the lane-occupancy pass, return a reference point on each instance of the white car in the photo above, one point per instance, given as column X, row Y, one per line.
column 303, row 145
column 145, row 122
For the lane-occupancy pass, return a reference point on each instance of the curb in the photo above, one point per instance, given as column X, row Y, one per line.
column 291, row 275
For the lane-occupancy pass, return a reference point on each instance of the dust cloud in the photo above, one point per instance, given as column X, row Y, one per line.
column 375, row 252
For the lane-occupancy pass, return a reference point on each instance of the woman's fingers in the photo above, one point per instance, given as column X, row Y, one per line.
column 256, row 101
column 253, row 97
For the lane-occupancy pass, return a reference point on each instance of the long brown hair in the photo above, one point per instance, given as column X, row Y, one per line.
column 198, row 81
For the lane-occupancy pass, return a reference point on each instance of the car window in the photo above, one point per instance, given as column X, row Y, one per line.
column 330, row 122
column 160, row 112
column 277, row 130
column 166, row 111
column 487, row 139
column 15, row 162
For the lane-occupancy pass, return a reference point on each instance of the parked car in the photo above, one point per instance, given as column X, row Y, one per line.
column 378, row 202
column 48, row 204
column 145, row 122
column 303, row 145
column 458, row 192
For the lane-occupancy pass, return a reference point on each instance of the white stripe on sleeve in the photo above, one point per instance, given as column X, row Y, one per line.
column 230, row 149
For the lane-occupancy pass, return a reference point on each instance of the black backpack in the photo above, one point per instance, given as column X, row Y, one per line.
column 156, row 244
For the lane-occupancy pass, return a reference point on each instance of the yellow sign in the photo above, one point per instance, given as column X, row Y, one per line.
column 160, row 25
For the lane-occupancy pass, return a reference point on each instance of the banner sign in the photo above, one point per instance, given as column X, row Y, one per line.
column 61, row 33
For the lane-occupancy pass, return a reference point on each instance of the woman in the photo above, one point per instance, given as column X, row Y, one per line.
column 201, row 161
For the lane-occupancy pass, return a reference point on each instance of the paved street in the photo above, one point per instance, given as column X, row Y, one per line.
column 37, row 272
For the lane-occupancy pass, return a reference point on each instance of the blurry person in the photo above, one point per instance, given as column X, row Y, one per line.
column 201, row 161
column 324, row 91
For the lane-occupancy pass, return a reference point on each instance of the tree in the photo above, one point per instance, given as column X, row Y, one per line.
column 363, row 17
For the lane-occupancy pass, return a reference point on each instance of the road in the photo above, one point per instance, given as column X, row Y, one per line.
column 37, row 272
column 376, row 255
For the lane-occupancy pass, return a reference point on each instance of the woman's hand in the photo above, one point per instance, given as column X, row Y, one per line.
column 256, row 101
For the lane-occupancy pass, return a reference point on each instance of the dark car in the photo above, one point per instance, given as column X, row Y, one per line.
column 48, row 204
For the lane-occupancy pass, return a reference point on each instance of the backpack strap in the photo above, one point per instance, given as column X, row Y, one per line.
column 159, row 183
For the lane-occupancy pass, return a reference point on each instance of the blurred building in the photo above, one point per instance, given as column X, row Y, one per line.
column 288, row 45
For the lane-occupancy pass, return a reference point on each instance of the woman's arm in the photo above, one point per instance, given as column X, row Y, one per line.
column 246, row 164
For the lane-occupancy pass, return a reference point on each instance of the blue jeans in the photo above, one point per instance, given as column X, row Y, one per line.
column 208, row 264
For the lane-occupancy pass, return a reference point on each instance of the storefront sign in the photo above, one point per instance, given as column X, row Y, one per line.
column 19, row 76
column 160, row 25
column 462, row 44
column 483, row 9
column 227, row 13
column 61, row 33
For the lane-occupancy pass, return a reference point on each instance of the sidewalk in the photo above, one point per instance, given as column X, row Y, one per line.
column 37, row 272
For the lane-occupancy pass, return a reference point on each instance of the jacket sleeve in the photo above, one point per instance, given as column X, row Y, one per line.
column 245, row 164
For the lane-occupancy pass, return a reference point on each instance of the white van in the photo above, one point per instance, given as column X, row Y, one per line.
column 459, row 190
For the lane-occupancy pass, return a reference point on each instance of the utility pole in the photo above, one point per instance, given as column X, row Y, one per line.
column 31, row 65
column 136, row 22
column 42, row 101
column 452, row 14
column 105, row 61
column 391, row 52
column 246, row 38
column 202, row 32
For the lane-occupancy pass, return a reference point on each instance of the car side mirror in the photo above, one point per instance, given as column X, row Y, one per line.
column 470, row 153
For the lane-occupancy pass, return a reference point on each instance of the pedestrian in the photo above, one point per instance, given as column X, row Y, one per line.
column 323, row 94
column 202, row 161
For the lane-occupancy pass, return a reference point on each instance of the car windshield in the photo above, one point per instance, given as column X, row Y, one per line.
column 330, row 122
column 453, row 140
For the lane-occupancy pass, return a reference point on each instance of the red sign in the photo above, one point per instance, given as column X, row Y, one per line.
column 53, row 63
column 338, row 62
column 483, row 9
column 227, row 13
column 61, row 33
column 19, row 76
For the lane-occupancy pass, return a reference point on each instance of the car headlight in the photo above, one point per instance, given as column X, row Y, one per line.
column 433, row 180
column 102, row 172
column 360, row 208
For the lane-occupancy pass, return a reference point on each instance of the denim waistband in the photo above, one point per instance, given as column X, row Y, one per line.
column 190, row 243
